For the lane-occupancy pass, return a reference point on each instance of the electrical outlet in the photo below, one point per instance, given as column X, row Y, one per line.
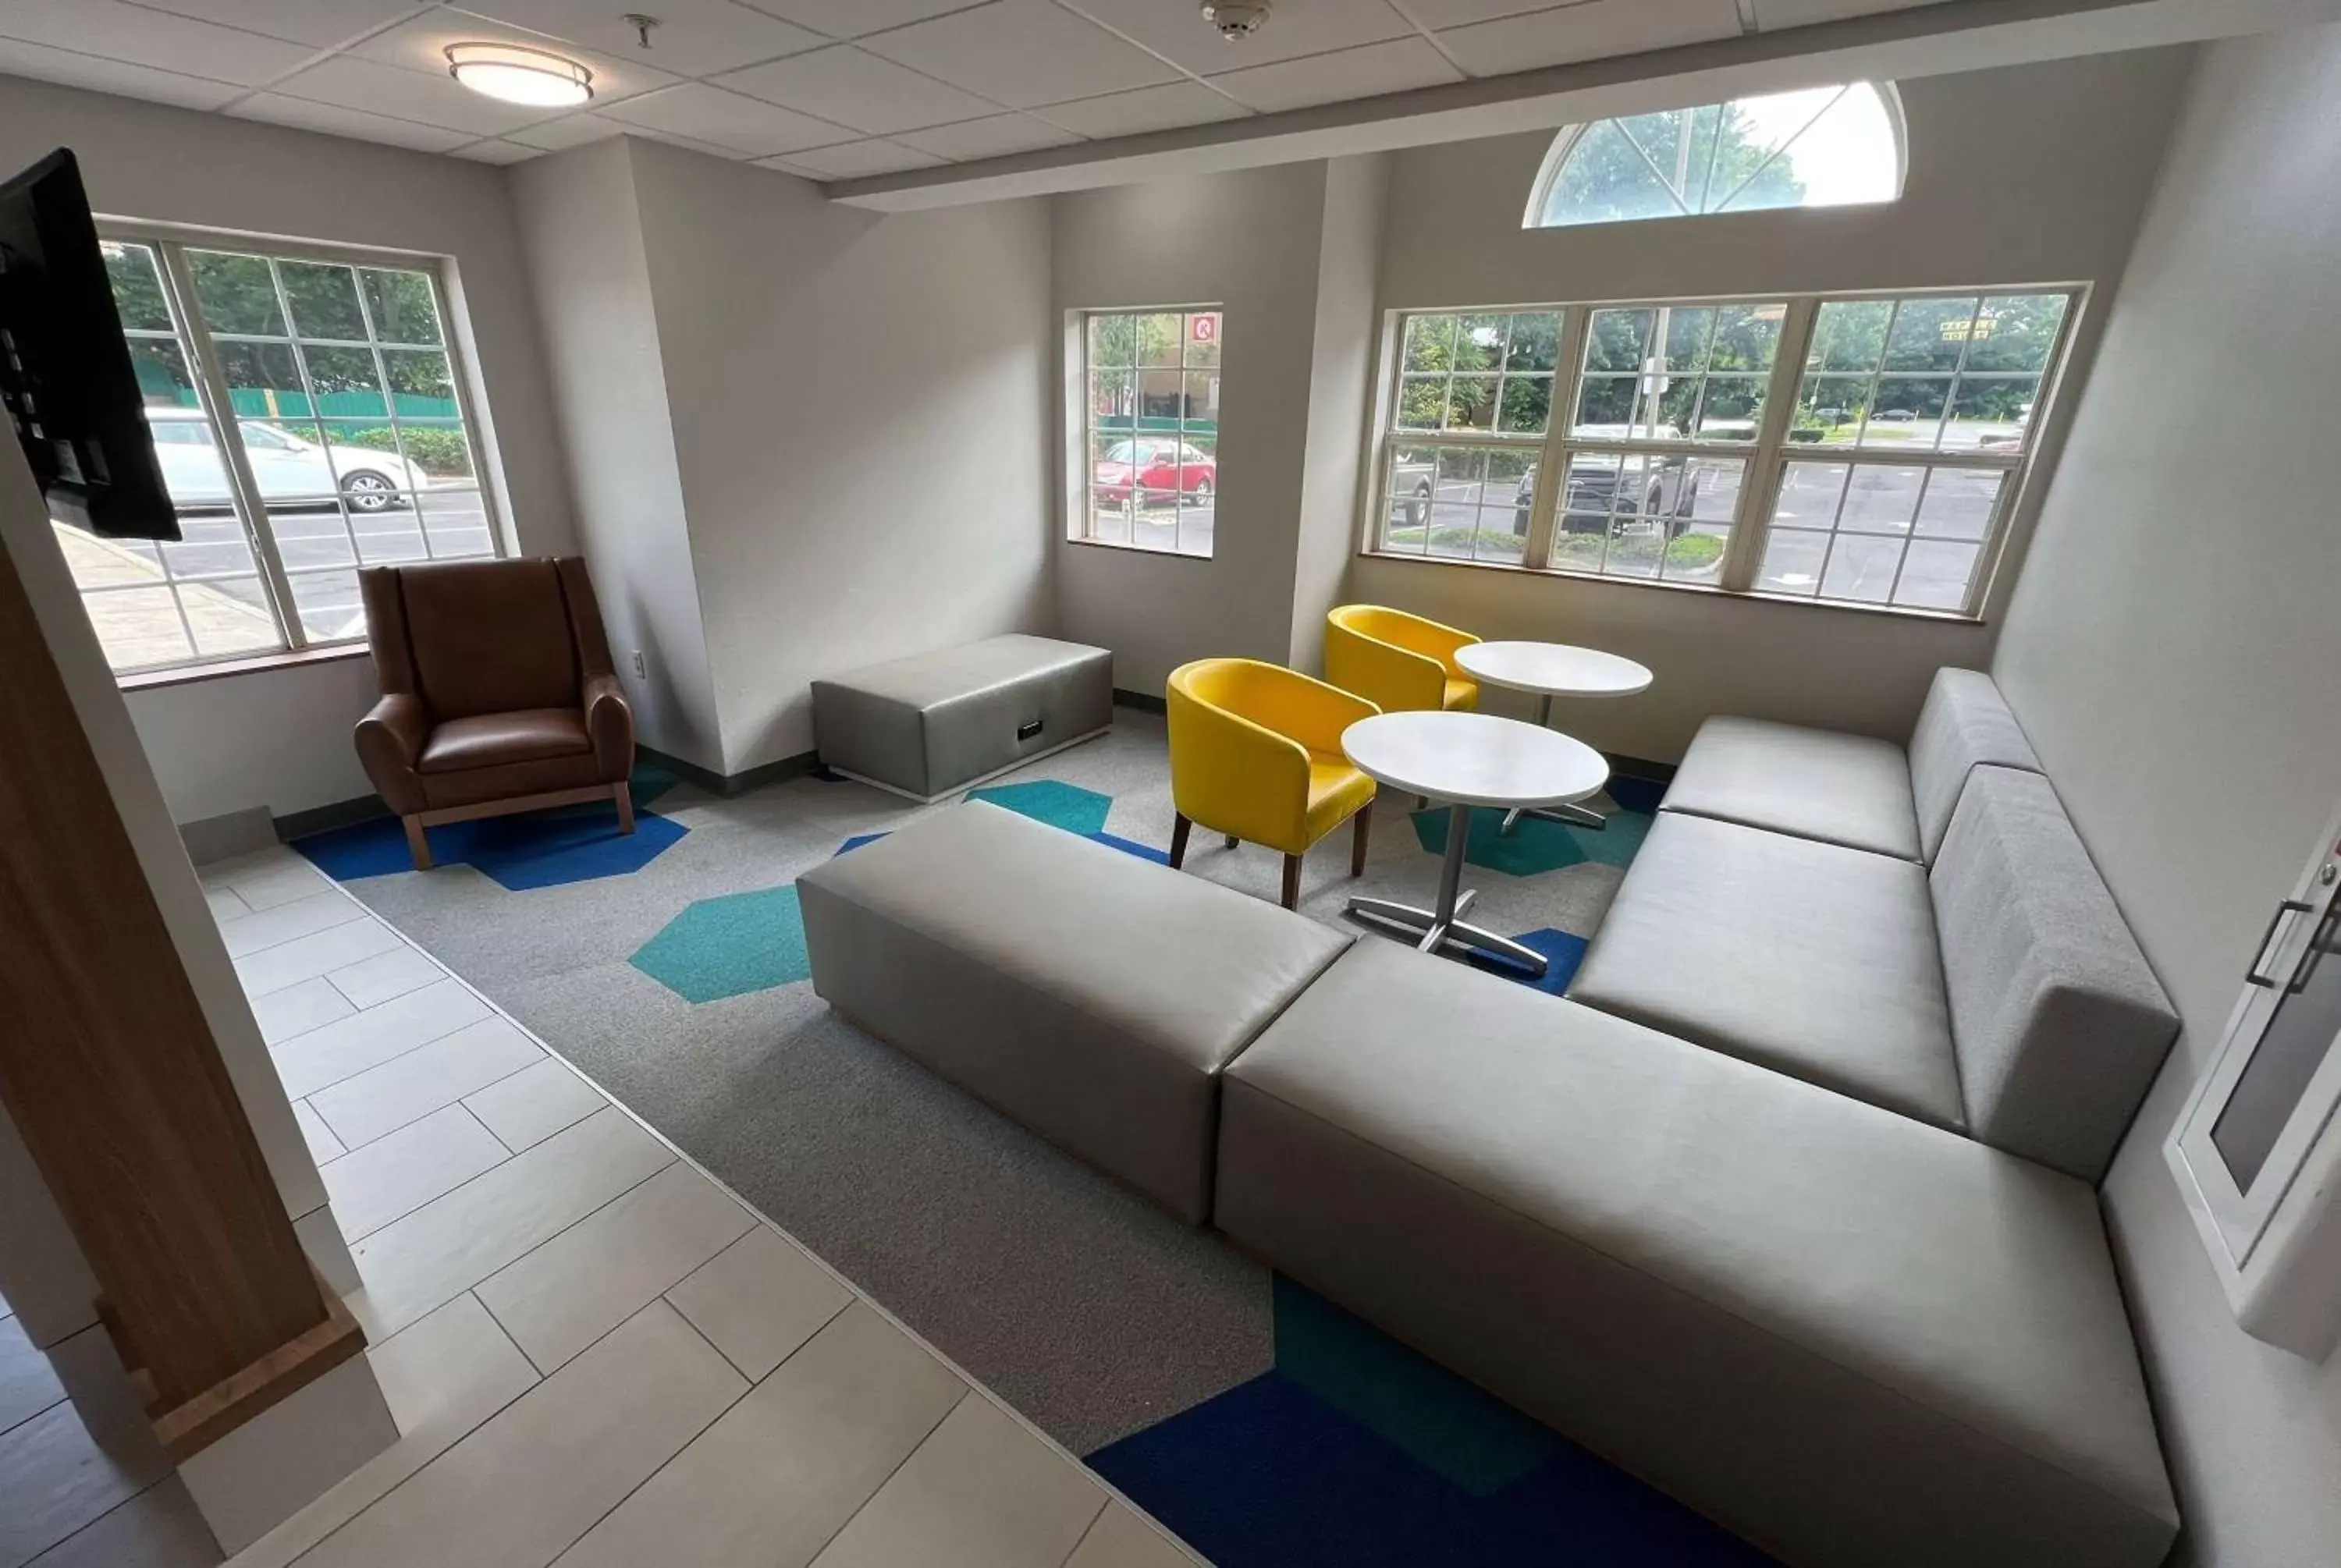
column 642, row 669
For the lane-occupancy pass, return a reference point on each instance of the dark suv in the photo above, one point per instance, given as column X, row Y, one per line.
column 1671, row 491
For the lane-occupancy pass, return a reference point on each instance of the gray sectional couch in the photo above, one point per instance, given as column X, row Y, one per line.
column 1789, row 1212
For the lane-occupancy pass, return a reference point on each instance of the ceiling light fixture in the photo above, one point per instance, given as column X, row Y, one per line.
column 1236, row 19
column 518, row 76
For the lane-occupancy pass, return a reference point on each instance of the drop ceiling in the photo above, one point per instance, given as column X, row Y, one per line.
column 832, row 89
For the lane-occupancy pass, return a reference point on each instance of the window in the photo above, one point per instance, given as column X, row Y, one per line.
column 1818, row 147
column 1150, row 435
column 307, row 416
column 1860, row 450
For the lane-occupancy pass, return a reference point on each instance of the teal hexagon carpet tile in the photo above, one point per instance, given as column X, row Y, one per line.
column 1054, row 801
column 729, row 945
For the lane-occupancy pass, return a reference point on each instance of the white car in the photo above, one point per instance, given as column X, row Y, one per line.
column 287, row 468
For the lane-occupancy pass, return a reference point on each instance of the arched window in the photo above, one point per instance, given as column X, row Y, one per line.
column 1817, row 147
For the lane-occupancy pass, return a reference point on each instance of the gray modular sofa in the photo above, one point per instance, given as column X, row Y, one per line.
column 1791, row 1290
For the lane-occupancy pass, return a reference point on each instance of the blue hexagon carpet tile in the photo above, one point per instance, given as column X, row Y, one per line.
column 527, row 850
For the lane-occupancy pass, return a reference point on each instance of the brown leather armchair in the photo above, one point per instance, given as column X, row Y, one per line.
column 497, row 694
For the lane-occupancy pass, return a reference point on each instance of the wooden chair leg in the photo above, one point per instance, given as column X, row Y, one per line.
column 418, row 843
column 1233, row 841
column 1180, row 828
column 1364, row 831
column 1292, row 881
column 623, row 794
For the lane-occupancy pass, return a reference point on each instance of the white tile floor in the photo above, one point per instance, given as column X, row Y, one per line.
column 596, row 1355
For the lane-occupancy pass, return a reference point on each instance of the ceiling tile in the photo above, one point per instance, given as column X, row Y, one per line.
column 497, row 152
column 654, row 134
column 336, row 121
column 693, row 37
column 420, row 47
column 319, row 23
column 844, row 85
column 152, row 38
column 1023, row 53
column 371, row 88
column 45, row 65
column 856, row 159
column 1592, row 30
column 1147, row 109
column 728, row 120
column 1297, row 27
column 1365, row 73
column 1772, row 15
column 569, row 130
column 853, row 18
column 995, row 137
column 1436, row 14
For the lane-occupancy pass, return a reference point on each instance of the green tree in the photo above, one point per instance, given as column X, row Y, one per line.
column 1669, row 164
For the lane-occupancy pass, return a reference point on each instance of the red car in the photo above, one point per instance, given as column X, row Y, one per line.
column 1157, row 466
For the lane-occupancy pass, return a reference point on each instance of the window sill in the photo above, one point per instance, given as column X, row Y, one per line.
column 1754, row 596
column 222, row 669
column 1134, row 549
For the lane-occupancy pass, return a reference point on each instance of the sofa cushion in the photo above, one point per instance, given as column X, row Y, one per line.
column 1092, row 995
column 1808, row 958
column 492, row 739
column 2061, row 1027
column 1854, row 1338
column 1965, row 724
column 1849, row 789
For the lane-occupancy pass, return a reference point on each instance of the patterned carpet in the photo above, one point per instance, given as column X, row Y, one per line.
column 1262, row 1423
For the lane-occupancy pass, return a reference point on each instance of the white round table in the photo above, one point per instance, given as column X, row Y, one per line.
column 1553, row 669
column 1467, row 760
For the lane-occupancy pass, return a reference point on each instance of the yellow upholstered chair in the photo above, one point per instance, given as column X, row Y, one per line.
column 1256, row 755
column 1398, row 662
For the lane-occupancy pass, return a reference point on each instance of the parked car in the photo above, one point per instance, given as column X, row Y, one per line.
column 288, row 469
column 1159, row 466
column 1412, row 490
column 1893, row 416
column 1671, row 490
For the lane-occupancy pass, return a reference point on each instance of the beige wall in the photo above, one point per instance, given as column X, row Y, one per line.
column 2034, row 174
column 2172, row 654
column 580, row 222
column 1251, row 243
column 857, row 408
column 225, row 746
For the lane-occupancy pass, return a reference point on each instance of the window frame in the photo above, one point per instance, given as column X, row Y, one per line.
column 1565, row 144
column 171, row 244
column 1079, row 435
column 1767, row 455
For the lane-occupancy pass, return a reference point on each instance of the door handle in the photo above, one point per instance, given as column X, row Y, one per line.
column 2252, row 976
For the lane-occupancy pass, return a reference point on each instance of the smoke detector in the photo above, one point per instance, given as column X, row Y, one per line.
column 1236, row 18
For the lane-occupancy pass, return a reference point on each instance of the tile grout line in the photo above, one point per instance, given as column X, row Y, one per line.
column 973, row 1383
column 349, row 1147
column 375, row 1229
column 967, row 1390
column 510, row 1152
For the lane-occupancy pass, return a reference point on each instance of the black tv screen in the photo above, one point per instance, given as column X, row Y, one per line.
column 65, row 370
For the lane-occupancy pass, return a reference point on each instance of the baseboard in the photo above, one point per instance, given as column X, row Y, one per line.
column 729, row 784
column 225, row 837
column 1139, row 700
column 323, row 819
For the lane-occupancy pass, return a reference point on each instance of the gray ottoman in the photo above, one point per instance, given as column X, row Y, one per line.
column 936, row 722
column 1091, row 995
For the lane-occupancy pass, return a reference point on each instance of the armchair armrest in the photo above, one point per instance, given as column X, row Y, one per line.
column 390, row 741
column 611, row 723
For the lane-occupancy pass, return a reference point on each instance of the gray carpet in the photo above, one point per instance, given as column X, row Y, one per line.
column 1092, row 1312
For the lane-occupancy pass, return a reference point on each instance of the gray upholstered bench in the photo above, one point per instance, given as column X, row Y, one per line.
column 1092, row 995
column 1853, row 789
column 1854, row 1338
column 936, row 722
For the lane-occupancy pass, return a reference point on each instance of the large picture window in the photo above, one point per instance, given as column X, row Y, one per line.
column 1861, row 451
column 1149, row 437
column 307, row 413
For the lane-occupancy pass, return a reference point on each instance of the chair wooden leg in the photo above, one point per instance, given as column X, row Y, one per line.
column 1292, row 881
column 1364, row 831
column 1233, row 841
column 623, row 794
column 418, row 843
column 1180, row 828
